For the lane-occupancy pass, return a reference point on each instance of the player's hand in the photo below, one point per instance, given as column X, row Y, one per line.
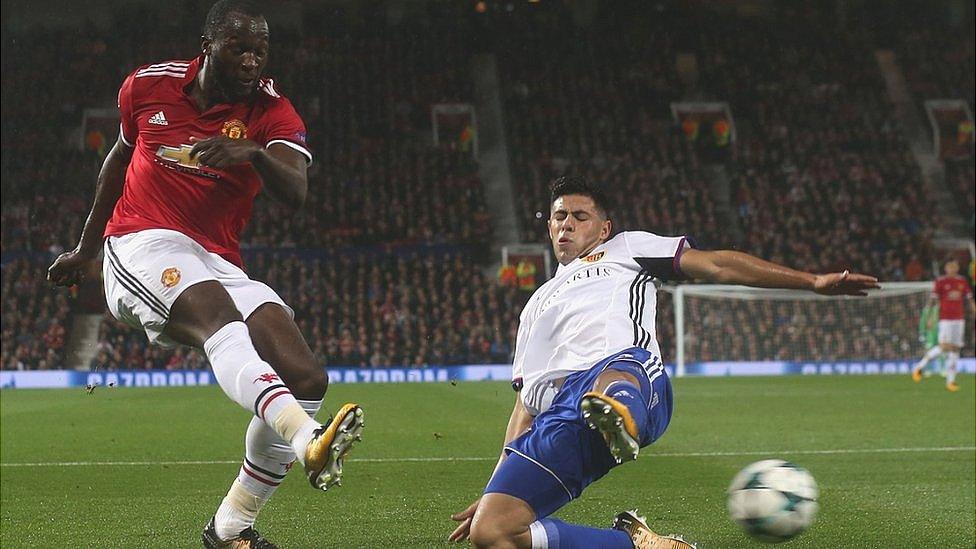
column 845, row 283
column 222, row 151
column 465, row 517
column 69, row 268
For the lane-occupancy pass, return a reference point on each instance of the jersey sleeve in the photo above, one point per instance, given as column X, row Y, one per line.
column 284, row 126
column 658, row 255
column 517, row 369
column 128, row 129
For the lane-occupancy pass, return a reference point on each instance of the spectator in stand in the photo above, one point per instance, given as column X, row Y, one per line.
column 35, row 319
column 508, row 275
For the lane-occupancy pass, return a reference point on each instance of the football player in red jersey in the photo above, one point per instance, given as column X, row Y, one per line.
column 199, row 139
column 949, row 292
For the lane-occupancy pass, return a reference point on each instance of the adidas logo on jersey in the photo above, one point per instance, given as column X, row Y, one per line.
column 159, row 119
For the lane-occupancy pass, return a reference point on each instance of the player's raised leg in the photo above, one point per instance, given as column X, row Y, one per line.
column 204, row 315
column 615, row 408
column 930, row 355
column 554, row 461
column 630, row 404
column 268, row 457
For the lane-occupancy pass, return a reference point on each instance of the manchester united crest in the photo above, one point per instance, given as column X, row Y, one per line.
column 594, row 257
column 171, row 277
column 234, row 129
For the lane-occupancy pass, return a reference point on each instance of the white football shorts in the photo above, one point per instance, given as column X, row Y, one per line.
column 952, row 331
column 146, row 271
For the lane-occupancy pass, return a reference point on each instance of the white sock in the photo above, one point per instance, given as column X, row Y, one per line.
column 952, row 360
column 237, row 511
column 253, row 383
column 267, row 459
column 929, row 355
column 539, row 538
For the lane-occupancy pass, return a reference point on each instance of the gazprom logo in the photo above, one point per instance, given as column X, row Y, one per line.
column 151, row 379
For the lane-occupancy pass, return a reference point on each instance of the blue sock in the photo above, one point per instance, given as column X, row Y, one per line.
column 630, row 396
column 561, row 535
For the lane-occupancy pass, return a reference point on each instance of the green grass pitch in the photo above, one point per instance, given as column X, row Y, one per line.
column 895, row 462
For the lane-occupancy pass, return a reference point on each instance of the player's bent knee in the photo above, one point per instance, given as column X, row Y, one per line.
column 502, row 521
column 313, row 385
column 491, row 534
column 305, row 378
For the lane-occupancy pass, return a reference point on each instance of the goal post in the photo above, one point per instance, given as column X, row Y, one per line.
column 725, row 323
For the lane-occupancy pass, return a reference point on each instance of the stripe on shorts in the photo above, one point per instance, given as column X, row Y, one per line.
column 131, row 283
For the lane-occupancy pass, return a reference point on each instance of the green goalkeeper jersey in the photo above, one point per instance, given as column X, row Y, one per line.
column 928, row 326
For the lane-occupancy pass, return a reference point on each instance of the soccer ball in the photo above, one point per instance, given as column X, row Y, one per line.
column 773, row 500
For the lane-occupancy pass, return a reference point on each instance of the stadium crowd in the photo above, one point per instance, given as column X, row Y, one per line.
column 802, row 330
column 596, row 102
column 386, row 265
column 822, row 178
column 36, row 319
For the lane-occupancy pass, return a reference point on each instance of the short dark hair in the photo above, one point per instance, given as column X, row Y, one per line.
column 219, row 12
column 577, row 184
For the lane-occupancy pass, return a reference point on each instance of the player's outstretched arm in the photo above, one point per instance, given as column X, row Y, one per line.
column 283, row 170
column 731, row 267
column 68, row 268
column 518, row 422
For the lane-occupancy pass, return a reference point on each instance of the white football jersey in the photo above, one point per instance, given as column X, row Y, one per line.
column 593, row 307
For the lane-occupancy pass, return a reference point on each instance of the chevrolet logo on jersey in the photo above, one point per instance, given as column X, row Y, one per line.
column 179, row 155
column 179, row 159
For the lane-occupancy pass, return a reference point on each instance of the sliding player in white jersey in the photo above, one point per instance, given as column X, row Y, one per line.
column 588, row 369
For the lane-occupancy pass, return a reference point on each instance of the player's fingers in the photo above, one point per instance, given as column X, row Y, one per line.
column 461, row 532
column 862, row 278
column 218, row 160
column 461, row 515
column 201, row 145
column 206, row 156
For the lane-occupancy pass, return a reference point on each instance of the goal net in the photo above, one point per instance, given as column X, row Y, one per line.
column 716, row 323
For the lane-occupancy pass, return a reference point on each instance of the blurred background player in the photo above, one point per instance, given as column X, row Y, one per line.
column 591, row 384
column 948, row 294
column 199, row 139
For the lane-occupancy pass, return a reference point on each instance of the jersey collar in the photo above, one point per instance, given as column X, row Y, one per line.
column 597, row 249
column 191, row 73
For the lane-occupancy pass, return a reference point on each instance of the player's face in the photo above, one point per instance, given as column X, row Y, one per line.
column 576, row 226
column 238, row 54
column 952, row 268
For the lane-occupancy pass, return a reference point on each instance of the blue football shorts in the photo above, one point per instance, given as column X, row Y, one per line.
column 559, row 455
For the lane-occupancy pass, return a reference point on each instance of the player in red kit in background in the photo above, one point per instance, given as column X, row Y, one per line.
column 199, row 139
column 949, row 292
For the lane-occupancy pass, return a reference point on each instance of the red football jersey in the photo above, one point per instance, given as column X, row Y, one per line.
column 951, row 291
column 164, row 187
